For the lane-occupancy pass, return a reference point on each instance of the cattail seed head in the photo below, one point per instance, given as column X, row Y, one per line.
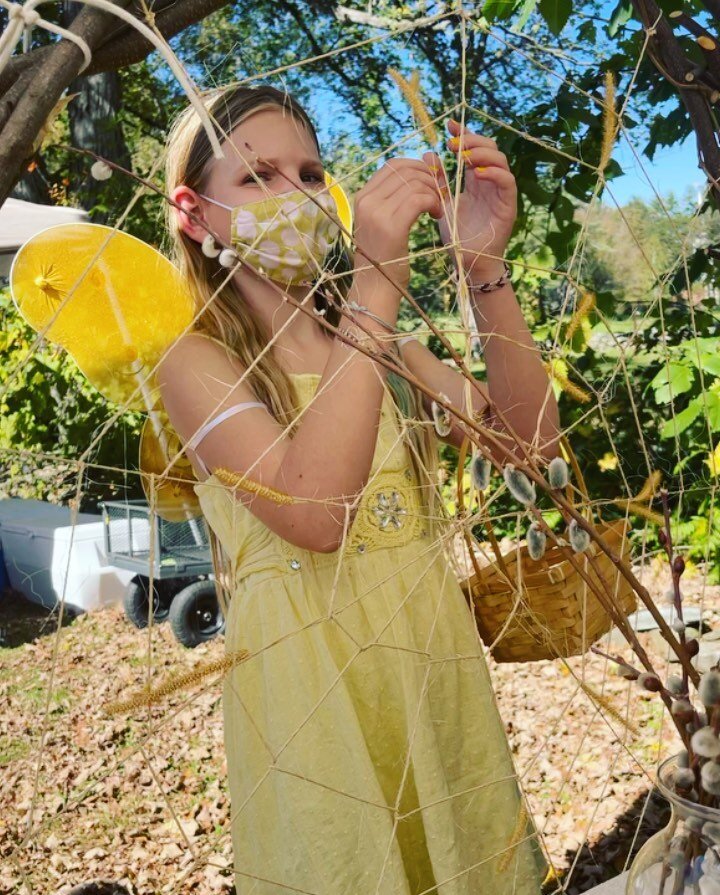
column 519, row 485
column 558, row 475
column 710, row 777
column 480, row 469
column 536, row 541
column 709, row 689
column 705, row 743
column 650, row 682
column 578, row 537
column 675, row 684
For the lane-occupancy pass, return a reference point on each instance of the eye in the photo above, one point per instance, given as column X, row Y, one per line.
column 250, row 179
column 316, row 177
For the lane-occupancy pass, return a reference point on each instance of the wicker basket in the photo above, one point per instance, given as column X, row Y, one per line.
column 528, row 610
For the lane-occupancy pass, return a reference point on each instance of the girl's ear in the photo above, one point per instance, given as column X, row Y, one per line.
column 187, row 199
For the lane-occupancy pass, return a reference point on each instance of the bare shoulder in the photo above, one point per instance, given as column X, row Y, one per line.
column 197, row 377
column 194, row 357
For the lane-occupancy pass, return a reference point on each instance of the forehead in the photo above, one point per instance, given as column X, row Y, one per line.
column 269, row 133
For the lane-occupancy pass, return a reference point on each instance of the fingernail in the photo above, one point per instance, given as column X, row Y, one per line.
column 481, row 169
column 453, row 142
column 466, row 153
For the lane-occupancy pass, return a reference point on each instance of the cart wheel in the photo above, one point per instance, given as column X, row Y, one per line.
column 137, row 603
column 195, row 614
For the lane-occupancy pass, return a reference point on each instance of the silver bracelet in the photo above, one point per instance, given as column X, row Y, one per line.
column 501, row 281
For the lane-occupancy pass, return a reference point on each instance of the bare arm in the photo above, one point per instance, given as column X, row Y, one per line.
column 517, row 382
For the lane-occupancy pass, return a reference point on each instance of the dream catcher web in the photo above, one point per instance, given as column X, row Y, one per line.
column 152, row 780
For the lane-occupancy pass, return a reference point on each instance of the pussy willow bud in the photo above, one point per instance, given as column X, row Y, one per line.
column 705, row 743
column 684, row 779
column 519, row 485
column 100, row 170
column 558, row 475
column 536, row 541
column 651, row 682
column 441, row 417
column 692, row 647
column 683, row 759
column 710, row 777
column 578, row 537
column 678, row 625
column 678, row 565
column 675, row 684
column 682, row 710
column 669, row 596
column 712, row 831
column 709, row 689
column 662, row 537
column 480, row 469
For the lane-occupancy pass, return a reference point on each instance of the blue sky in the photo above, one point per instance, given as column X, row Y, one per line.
column 672, row 170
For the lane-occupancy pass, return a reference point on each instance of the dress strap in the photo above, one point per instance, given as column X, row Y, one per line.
column 193, row 442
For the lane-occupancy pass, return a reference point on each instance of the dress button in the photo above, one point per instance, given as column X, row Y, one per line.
column 361, row 548
column 294, row 563
column 408, row 474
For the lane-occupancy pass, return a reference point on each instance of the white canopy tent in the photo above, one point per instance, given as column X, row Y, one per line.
column 19, row 220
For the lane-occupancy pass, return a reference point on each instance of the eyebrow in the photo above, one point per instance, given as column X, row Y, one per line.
column 275, row 161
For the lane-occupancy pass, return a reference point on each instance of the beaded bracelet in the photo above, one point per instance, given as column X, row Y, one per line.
column 493, row 284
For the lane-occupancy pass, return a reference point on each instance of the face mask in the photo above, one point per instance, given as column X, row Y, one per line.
column 286, row 237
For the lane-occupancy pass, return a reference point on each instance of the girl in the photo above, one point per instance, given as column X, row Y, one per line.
column 364, row 747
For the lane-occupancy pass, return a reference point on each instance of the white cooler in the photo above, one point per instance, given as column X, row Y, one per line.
column 46, row 556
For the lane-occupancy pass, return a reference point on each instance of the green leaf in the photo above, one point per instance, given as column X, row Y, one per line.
column 710, row 363
column 556, row 13
column 496, row 10
column 621, row 14
column 526, row 10
column 682, row 420
column 672, row 380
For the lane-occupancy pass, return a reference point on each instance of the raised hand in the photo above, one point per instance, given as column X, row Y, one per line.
column 486, row 207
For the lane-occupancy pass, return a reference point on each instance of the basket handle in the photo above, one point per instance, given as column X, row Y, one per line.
column 582, row 487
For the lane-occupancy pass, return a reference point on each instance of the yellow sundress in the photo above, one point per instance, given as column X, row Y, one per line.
column 365, row 750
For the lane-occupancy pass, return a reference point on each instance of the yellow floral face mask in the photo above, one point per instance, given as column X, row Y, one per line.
column 286, row 237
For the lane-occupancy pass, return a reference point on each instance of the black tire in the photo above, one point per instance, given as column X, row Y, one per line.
column 137, row 601
column 195, row 614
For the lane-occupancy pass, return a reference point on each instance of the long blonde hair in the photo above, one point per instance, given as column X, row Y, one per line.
column 224, row 315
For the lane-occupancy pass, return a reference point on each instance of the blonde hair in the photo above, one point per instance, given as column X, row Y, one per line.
column 222, row 313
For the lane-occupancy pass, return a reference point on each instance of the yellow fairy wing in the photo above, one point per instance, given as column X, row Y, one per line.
column 112, row 301
column 343, row 204
column 115, row 304
column 172, row 494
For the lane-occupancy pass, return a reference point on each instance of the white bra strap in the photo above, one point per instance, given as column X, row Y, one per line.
column 221, row 417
